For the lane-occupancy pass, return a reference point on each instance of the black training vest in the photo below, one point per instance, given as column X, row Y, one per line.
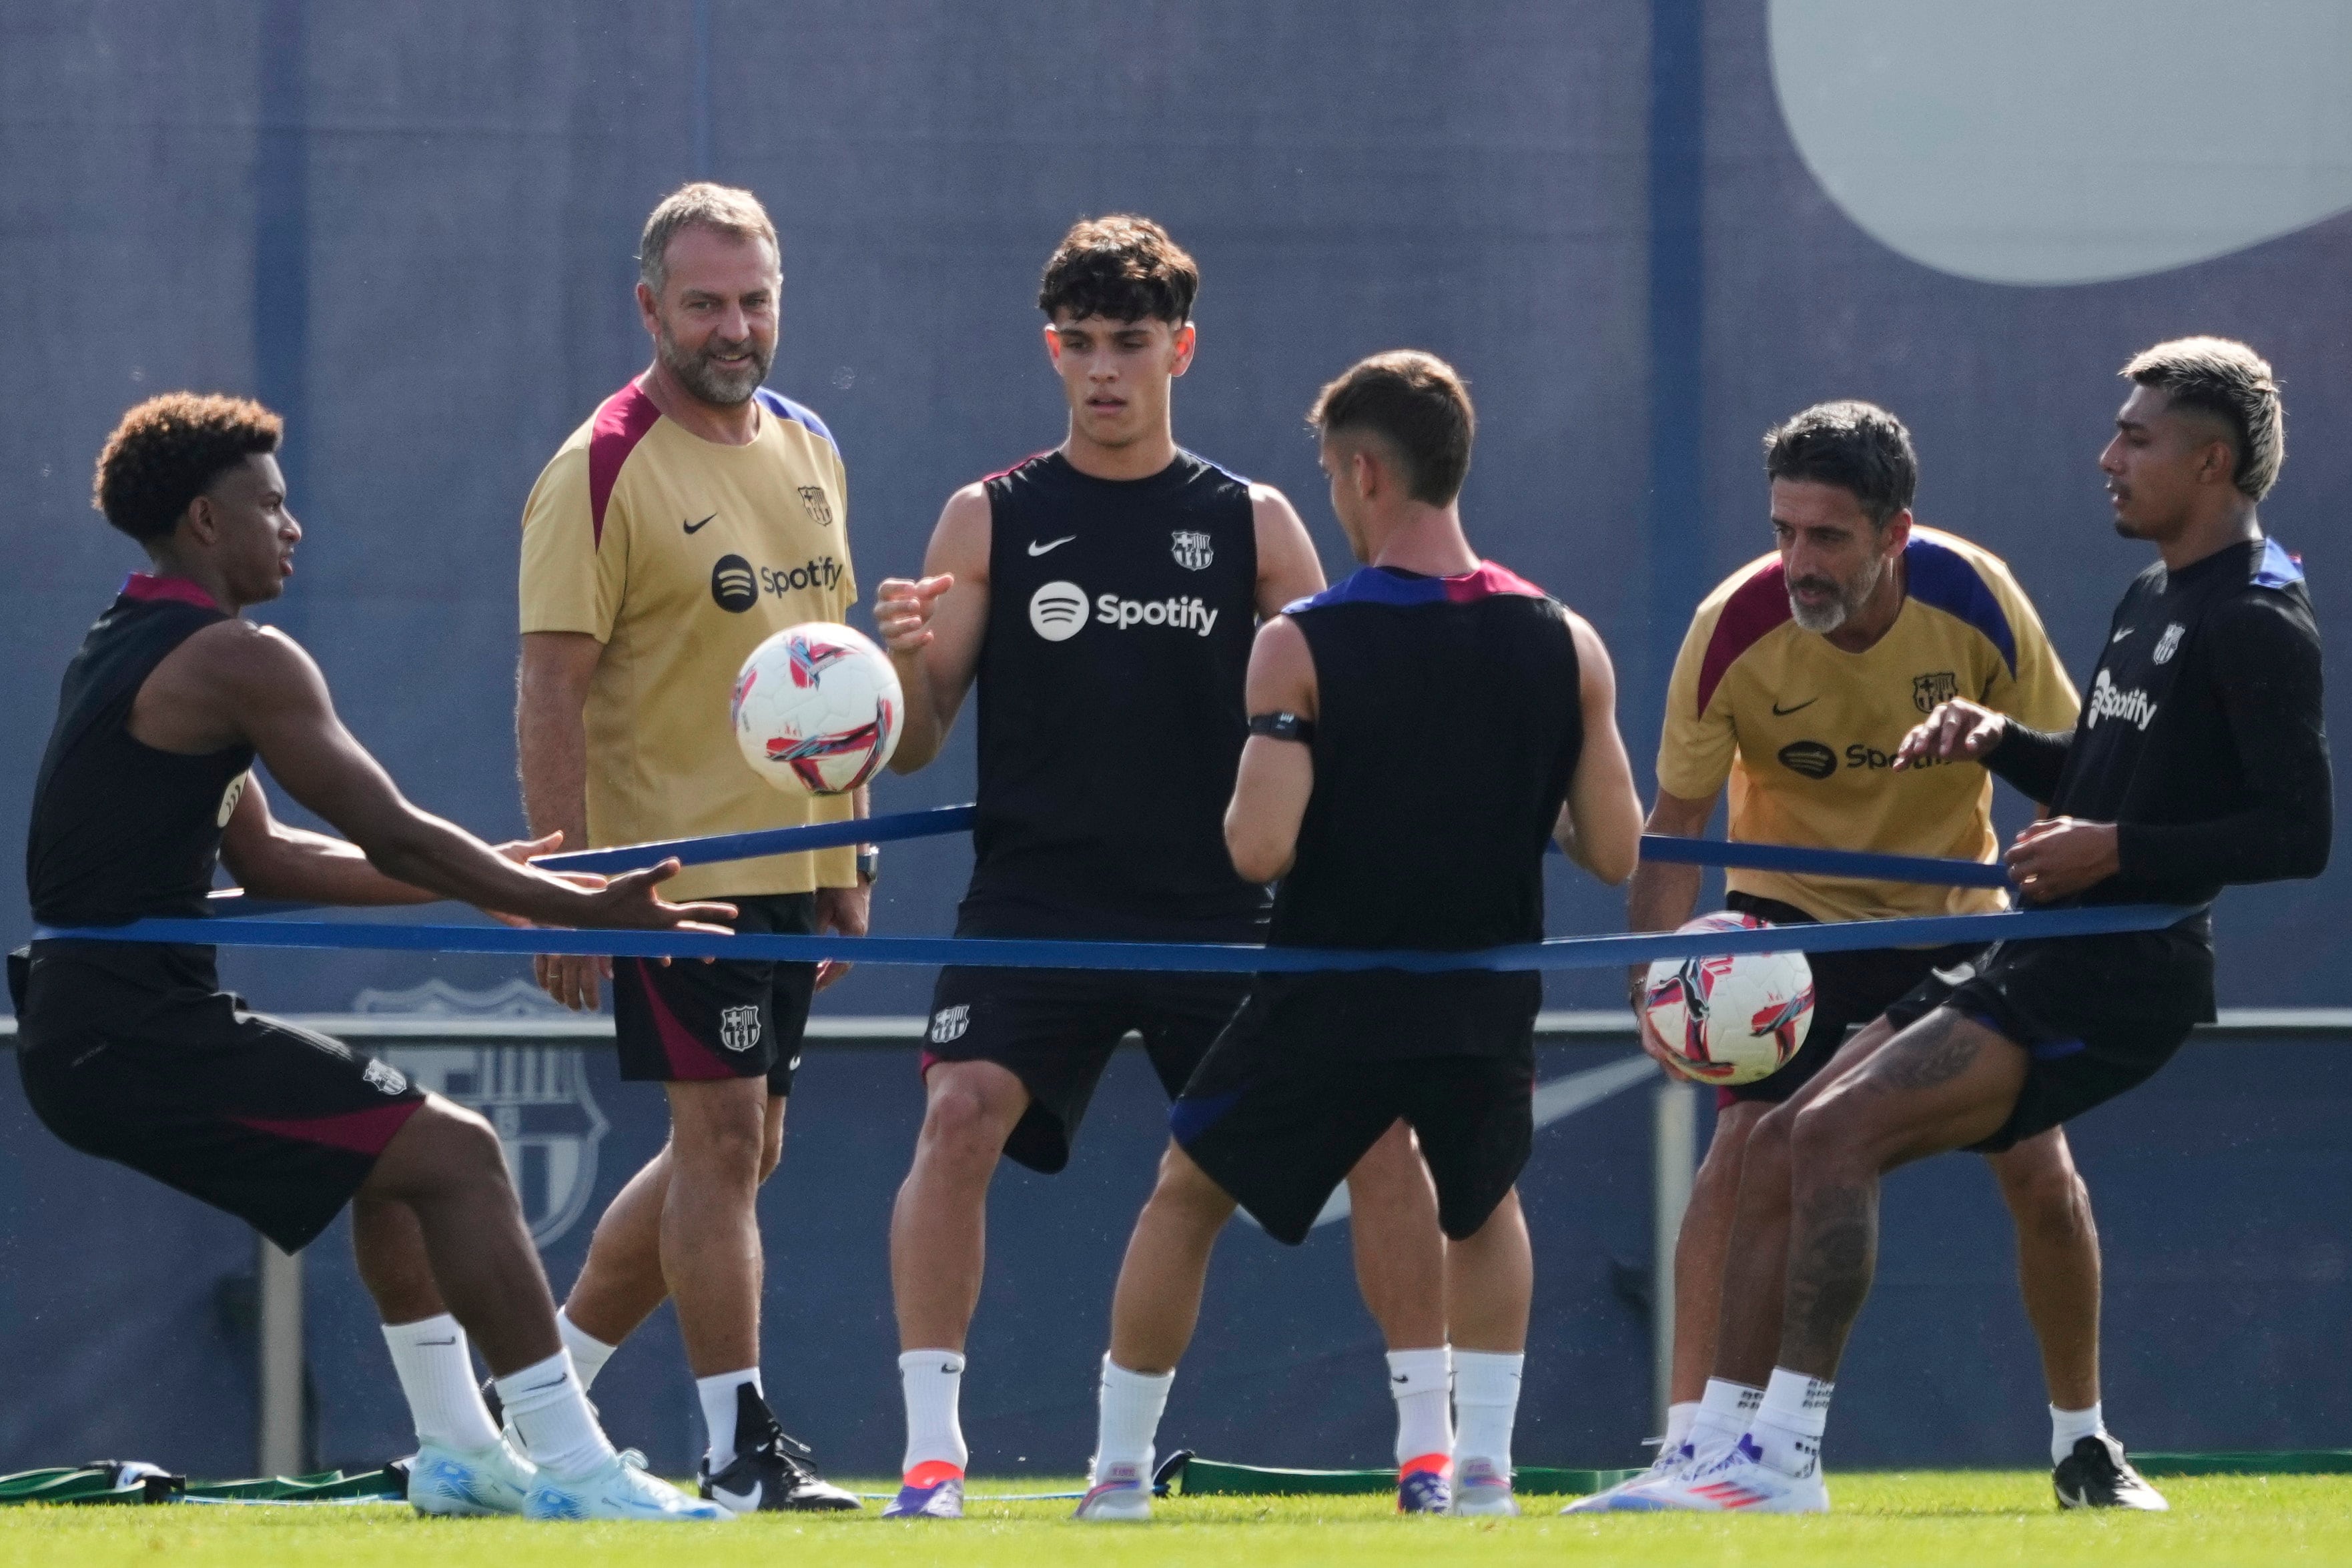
column 121, row 831
column 1448, row 725
column 1119, row 621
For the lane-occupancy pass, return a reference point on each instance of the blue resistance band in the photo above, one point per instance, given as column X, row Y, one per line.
column 1564, row 953
column 958, row 818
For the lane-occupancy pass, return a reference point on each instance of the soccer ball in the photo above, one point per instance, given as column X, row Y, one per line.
column 817, row 709
column 1730, row 1019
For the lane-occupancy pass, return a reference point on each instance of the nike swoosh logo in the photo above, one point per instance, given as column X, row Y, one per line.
column 1780, row 713
column 697, row 527
column 450, row 1340
column 1958, row 976
column 2121, row 635
column 1038, row 549
column 1399, row 1377
column 745, row 1502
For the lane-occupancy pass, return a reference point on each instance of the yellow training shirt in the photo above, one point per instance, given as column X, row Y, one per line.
column 1804, row 731
column 682, row 555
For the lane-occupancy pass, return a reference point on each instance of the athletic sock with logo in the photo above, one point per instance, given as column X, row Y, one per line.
column 1679, row 1416
column 1724, row 1412
column 1131, row 1406
column 589, row 1354
column 1418, row 1382
column 548, row 1411
column 437, row 1374
column 2068, row 1427
column 933, row 1383
column 719, row 1404
column 1789, row 1423
column 1487, row 1402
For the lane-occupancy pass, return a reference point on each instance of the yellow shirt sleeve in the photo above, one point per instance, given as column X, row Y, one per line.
column 572, row 578
column 2040, row 693
column 1695, row 748
column 848, row 570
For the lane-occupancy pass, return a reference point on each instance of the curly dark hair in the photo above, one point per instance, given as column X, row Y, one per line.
column 168, row 450
column 1121, row 266
column 1858, row 447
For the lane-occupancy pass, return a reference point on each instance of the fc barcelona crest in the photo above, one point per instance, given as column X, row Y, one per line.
column 738, row 1027
column 1192, row 551
column 1927, row 691
column 820, row 511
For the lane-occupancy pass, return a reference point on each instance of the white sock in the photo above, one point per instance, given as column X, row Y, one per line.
column 720, row 1403
column 1789, row 1423
column 2067, row 1427
column 1487, row 1399
column 589, row 1354
column 548, row 1411
column 1724, row 1413
column 1131, row 1404
column 1418, row 1382
column 932, row 1382
column 1679, row 1417
column 437, row 1374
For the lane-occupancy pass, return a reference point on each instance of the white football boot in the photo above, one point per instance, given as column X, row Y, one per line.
column 1672, row 1460
column 467, row 1483
column 1482, row 1490
column 1123, row 1496
column 617, row 1489
column 1739, row 1482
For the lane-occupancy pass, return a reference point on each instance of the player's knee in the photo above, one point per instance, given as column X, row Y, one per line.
column 962, row 1125
column 465, row 1146
column 721, row 1148
column 1184, row 1187
column 2047, row 1196
column 1818, row 1137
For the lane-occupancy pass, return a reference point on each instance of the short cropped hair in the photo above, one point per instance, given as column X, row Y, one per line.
column 168, row 450
column 2232, row 383
column 1123, row 268
column 1415, row 401
column 700, row 204
column 1858, row 447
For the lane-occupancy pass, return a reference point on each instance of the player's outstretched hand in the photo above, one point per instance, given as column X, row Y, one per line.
column 522, row 851
column 1958, row 731
column 2060, row 856
column 902, row 611
column 630, row 902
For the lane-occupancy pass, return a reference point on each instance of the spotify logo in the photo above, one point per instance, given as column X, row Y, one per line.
column 1057, row 610
column 732, row 584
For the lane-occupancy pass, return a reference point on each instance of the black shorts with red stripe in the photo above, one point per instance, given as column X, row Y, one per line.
column 133, row 1053
column 689, row 1021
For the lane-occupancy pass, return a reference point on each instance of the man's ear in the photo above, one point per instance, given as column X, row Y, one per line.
column 1053, row 345
column 647, row 305
column 1184, row 340
column 1364, row 467
column 1898, row 532
column 202, row 520
column 2218, row 463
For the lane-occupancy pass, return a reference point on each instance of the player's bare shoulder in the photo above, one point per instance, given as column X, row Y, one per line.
column 960, row 543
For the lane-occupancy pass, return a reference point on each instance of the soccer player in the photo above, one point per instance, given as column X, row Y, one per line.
column 1797, row 682
column 694, row 514
column 2199, row 761
column 133, row 1053
column 1381, row 843
column 1102, row 596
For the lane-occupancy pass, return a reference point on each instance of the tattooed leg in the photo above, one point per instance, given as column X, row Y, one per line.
column 1946, row 1082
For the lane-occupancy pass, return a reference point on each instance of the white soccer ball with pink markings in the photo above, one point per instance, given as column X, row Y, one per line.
column 817, row 709
column 1730, row 1019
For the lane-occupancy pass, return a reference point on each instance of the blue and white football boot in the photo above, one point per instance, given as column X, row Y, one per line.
column 929, row 1490
column 1482, row 1490
column 468, row 1483
column 1672, row 1460
column 617, row 1489
column 1122, row 1495
column 1426, row 1485
column 1739, row 1482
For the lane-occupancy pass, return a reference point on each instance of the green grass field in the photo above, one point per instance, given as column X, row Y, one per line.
column 1975, row 1519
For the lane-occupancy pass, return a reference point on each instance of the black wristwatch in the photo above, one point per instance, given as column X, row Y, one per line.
column 869, row 864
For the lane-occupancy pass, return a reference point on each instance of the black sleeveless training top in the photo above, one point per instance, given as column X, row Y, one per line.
column 121, row 831
column 1448, row 725
column 1119, row 621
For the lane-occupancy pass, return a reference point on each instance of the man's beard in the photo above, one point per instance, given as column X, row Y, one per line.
column 1850, row 599
column 701, row 375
